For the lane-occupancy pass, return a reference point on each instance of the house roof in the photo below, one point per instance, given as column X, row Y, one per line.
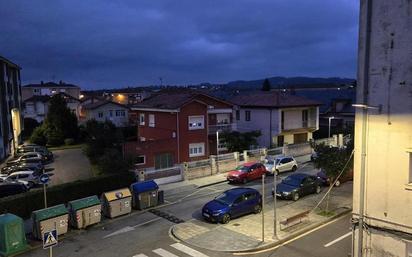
column 96, row 105
column 172, row 99
column 38, row 98
column 272, row 99
column 51, row 84
column 65, row 95
column 10, row 63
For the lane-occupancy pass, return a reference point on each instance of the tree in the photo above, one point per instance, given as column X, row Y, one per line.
column 29, row 126
column 38, row 136
column 266, row 85
column 237, row 142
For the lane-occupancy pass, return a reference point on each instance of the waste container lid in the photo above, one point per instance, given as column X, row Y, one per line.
column 144, row 186
column 9, row 218
column 84, row 203
column 49, row 213
column 117, row 194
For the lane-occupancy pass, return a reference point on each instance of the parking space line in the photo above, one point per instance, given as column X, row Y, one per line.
column 187, row 250
column 164, row 253
column 140, row 255
column 338, row 239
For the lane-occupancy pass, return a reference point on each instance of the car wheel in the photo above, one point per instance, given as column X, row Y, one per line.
column 257, row 209
column 30, row 184
column 295, row 196
column 337, row 183
column 317, row 190
column 225, row 219
column 277, row 172
column 294, row 168
column 244, row 181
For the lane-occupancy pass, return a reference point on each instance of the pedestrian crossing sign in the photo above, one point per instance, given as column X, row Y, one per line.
column 49, row 239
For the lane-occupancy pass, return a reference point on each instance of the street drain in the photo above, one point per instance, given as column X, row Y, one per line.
column 167, row 216
column 236, row 225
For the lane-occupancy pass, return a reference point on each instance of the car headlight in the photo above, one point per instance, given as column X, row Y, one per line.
column 286, row 193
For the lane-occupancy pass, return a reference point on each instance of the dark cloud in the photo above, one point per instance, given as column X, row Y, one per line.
column 113, row 43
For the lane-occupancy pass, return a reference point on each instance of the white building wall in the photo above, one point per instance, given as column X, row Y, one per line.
column 118, row 121
column 388, row 185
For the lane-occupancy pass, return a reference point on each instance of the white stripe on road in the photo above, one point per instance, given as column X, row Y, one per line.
column 188, row 250
column 140, row 255
column 337, row 239
column 164, row 253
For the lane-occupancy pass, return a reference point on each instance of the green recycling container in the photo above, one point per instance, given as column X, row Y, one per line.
column 84, row 212
column 12, row 236
column 55, row 217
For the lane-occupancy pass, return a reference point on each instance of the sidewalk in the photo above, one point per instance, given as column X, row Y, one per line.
column 245, row 233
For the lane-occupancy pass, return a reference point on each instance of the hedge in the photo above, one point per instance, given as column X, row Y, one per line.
column 23, row 204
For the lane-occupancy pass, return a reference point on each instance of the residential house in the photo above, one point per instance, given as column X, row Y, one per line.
column 104, row 110
column 177, row 127
column 281, row 118
column 50, row 88
column 10, row 107
column 382, row 188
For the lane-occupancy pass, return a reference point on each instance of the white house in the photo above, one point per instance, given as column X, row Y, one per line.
column 118, row 114
column 382, row 188
column 281, row 118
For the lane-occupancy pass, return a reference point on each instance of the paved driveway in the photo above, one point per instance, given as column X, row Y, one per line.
column 69, row 165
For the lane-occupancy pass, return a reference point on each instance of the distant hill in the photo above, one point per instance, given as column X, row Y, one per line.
column 288, row 82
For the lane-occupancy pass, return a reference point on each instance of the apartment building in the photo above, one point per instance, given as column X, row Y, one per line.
column 50, row 88
column 281, row 118
column 10, row 106
column 382, row 197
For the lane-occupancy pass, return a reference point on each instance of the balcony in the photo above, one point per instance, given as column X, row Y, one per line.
column 221, row 128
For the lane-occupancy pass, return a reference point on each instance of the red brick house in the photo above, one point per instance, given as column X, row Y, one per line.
column 177, row 127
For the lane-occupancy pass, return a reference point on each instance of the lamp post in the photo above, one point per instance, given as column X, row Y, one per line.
column 217, row 142
column 330, row 118
column 275, row 228
column 365, row 109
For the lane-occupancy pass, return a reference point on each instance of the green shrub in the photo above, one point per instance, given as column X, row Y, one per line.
column 69, row 141
column 24, row 204
column 38, row 136
column 55, row 137
column 112, row 162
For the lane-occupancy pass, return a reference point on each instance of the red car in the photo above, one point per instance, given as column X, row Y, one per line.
column 246, row 172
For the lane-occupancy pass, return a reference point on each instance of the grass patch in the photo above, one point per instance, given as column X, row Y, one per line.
column 95, row 170
column 64, row 147
column 326, row 213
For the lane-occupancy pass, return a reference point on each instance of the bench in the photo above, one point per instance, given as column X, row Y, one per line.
column 294, row 220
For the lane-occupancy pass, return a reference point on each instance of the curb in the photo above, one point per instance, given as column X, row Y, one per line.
column 269, row 245
column 213, row 183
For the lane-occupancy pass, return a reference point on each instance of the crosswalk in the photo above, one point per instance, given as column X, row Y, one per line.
column 178, row 248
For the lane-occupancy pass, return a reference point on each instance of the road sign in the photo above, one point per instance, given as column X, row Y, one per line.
column 49, row 239
column 44, row 178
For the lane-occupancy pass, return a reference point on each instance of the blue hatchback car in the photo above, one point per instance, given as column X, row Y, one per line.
column 231, row 204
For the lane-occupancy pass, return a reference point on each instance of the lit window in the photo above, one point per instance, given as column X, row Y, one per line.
column 196, row 122
column 141, row 119
column 151, row 120
column 197, row 149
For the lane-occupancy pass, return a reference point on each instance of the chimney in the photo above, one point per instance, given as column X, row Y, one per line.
column 61, row 82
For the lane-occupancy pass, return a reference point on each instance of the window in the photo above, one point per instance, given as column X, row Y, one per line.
column 305, row 118
column 141, row 119
column 151, row 120
column 237, row 115
column 247, row 115
column 282, row 122
column 140, row 160
column 100, row 115
column 250, row 196
column 164, row 160
column 196, row 122
column 197, row 149
column 111, row 113
column 120, row 113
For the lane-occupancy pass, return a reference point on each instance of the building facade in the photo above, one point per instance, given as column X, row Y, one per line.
column 10, row 106
column 178, row 127
column 281, row 118
column 50, row 88
column 104, row 110
column 382, row 197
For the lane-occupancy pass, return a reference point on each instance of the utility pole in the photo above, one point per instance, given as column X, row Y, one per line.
column 263, row 208
column 275, row 220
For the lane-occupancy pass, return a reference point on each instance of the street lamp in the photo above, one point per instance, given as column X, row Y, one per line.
column 365, row 109
column 217, row 142
column 330, row 118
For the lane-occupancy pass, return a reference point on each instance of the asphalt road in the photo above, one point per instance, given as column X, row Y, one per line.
column 146, row 234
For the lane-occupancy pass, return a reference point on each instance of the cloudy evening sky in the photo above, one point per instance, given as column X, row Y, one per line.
column 114, row 43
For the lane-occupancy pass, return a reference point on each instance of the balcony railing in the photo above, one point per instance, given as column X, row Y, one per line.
column 220, row 127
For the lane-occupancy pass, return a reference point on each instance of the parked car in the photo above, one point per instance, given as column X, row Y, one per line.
column 347, row 176
column 297, row 185
column 30, row 156
column 37, row 149
column 25, row 160
column 246, row 172
column 231, row 204
column 29, row 177
column 11, row 188
column 31, row 166
column 281, row 164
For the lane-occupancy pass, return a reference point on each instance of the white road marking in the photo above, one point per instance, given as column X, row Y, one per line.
column 130, row 228
column 337, row 239
column 164, row 253
column 188, row 250
column 140, row 255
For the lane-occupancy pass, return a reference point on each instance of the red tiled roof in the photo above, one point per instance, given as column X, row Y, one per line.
column 272, row 99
